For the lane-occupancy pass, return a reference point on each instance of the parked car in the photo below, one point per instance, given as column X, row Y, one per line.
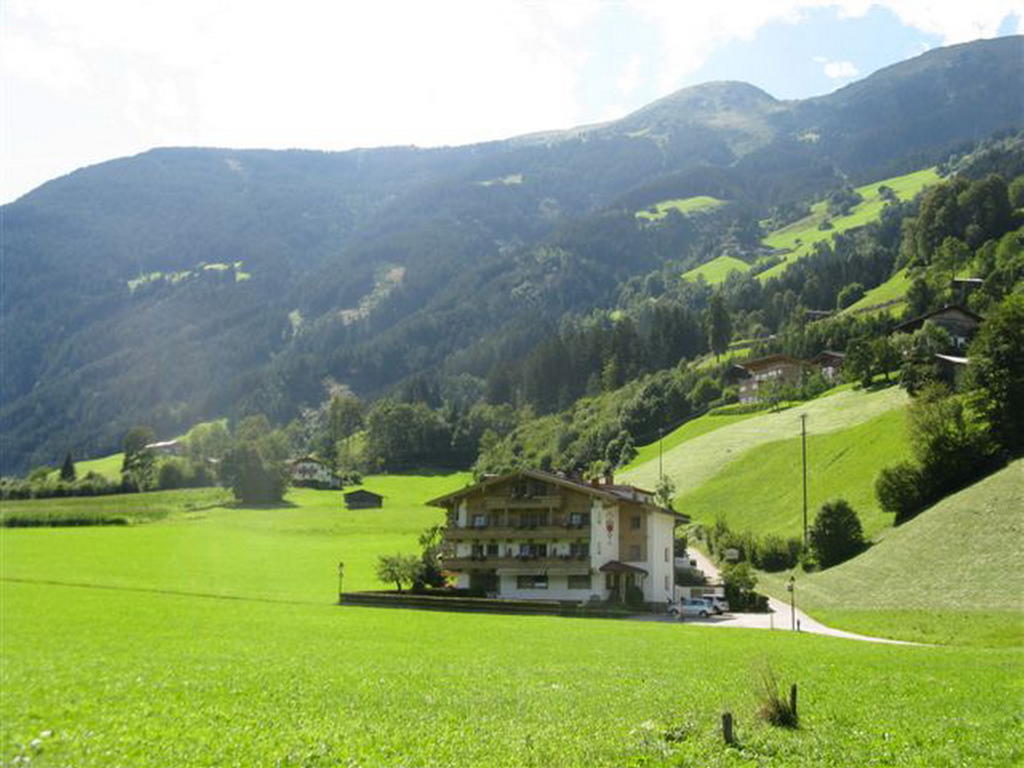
column 718, row 603
column 686, row 608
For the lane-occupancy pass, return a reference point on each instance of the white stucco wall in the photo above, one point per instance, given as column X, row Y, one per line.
column 558, row 589
column 658, row 587
column 604, row 545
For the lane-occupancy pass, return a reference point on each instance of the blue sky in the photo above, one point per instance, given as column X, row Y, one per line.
column 83, row 82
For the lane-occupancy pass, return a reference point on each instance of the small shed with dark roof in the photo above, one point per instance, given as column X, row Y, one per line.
column 363, row 499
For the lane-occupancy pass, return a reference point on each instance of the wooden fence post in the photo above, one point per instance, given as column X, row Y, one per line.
column 792, row 698
column 727, row 728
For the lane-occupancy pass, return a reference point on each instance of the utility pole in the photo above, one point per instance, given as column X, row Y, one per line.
column 803, row 444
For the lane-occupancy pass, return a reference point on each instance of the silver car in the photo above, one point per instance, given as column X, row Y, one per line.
column 718, row 604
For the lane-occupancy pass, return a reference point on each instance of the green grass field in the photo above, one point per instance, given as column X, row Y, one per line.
column 800, row 236
column 892, row 289
column 695, row 461
column 762, row 491
column 120, row 509
column 717, row 270
column 950, row 575
column 684, row 205
column 211, row 639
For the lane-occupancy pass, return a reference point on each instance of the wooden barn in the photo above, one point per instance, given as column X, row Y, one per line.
column 362, row 499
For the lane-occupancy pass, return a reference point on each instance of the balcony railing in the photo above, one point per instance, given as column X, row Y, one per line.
column 577, row 563
column 524, row 502
column 560, row 530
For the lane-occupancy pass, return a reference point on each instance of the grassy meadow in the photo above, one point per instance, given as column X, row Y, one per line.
column 950, row 575
column 716, row 270
column 892, row 289
column 762, row 491
column 211, row 638
column 799, row 237
column 120, row 509
column 683, row 205
column 698, row 455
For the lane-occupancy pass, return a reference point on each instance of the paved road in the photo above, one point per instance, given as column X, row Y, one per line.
column 781, row 617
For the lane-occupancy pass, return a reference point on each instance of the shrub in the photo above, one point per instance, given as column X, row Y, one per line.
column 899, row 490
column 773, row 553
column 836, row 534
column 774, row 707
column 398, row 569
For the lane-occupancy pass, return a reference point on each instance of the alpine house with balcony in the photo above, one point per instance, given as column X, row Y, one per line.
column 535, row 535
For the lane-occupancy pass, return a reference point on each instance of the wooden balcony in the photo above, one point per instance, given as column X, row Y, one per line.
column 472, row 533
column 552, row 501
column 550, row 564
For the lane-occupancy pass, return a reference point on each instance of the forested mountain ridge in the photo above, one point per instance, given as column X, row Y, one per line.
column 187, row 283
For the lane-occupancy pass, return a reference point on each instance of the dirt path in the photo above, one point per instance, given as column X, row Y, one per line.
column 782, row 616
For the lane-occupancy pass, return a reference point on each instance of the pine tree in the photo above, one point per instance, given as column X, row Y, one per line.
column 67, row 469
column 717, row 325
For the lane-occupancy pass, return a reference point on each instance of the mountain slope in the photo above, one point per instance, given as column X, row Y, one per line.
column 371, row 266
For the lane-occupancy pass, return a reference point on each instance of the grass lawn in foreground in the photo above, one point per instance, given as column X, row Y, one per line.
column 762, row 491
column 716, row 270
column 950, row 575
column 126, row 672
column 125, row 678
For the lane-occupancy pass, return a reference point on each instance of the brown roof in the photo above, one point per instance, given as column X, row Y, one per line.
column 768, row 361
column 602, row 490
column 948, row 308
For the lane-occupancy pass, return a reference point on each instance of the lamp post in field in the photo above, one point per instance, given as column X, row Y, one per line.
column 791, row 588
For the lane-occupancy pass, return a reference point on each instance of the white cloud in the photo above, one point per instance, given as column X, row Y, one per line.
column 632, row 76
column 840, row 69
column 85, row 81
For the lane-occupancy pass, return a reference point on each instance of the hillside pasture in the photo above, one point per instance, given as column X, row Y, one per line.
column 693, row 462
column 683, row 205
column 762, row 491
column 893, row 289
column 950, row 575
column 798, row 239
column 717, row 270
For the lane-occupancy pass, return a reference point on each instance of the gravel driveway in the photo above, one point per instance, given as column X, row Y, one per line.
column 781, row 616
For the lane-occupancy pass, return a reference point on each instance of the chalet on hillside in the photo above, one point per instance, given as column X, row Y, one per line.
column 535, row 535
column 959, row 321
column 829, row 363
column 310, row 472
column 764, row 372
column 363, row 499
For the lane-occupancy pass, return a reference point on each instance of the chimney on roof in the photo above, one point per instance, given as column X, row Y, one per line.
column 609, row 478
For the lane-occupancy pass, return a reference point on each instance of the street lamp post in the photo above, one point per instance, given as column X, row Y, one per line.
column 791, row 588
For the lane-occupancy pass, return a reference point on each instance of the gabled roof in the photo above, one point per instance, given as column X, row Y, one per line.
column 768, row 361
column 603, row 491
column 947, row 308
column 363, row 492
